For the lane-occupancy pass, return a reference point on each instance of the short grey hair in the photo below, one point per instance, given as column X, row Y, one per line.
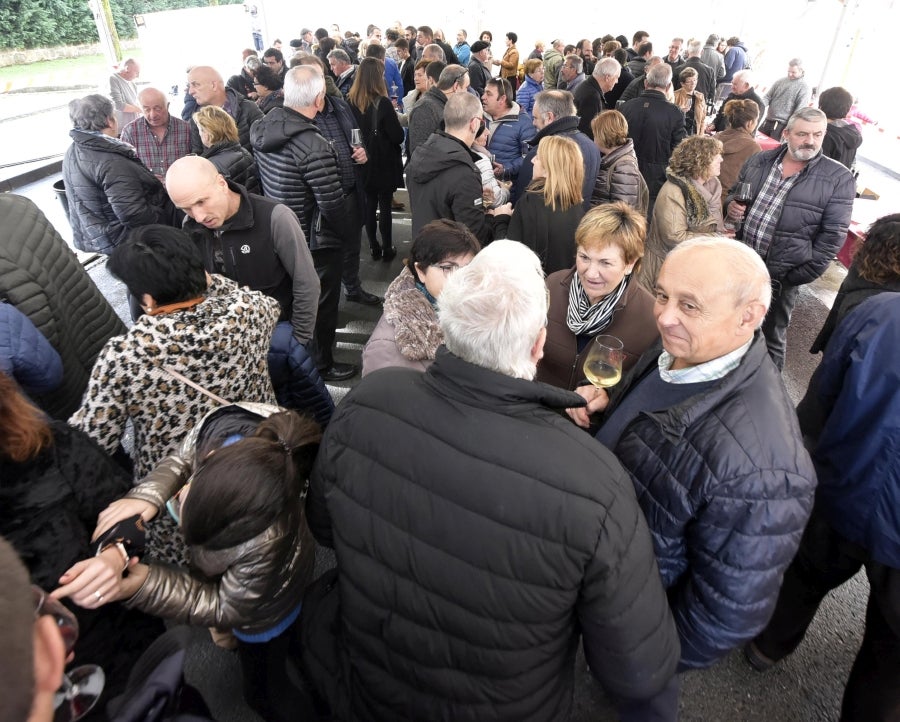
column 811, row 115
column 437, row 50
column 92, row 112
column 659, row 76
column 460, row 109
column 492, row 311
column 748, row 279
column 338, row 54
column 450, row 76
column 746, row 75
column 302, row 85
column 607, row 68
column 559, row 102
column 575, row 61
column 694, row 48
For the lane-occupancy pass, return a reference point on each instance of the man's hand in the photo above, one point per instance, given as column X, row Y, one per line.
column 736, row 211
column 504, row 210
column 359, row 155
column 487, row 195
column 597, row 400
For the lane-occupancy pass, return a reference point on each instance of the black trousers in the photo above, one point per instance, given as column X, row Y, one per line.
column 328, row 263
column 273, row 684
column 824, row 562
column 772, row 128
column 379, row 202
column 350, row 271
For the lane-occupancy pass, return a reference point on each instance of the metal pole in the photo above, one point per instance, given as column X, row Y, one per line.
column 834, row 41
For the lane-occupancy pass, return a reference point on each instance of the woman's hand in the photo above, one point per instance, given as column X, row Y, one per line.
column 597, row 400
column 91, row 583
column 121, row 510
column 504, row 210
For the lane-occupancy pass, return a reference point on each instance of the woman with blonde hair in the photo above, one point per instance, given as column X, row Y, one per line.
column 688, row 204
column 546, row 216
column 382, row 137
column 532, row 84
column 691, row 102
column 219, row 135
column 598, row 296
column 737, row 141
column 619, row 178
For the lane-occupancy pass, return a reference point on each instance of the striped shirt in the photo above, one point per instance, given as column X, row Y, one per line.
column 708, row 371
column 156, row 154
column 759, row 225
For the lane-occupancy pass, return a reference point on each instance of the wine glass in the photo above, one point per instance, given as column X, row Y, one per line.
column 356, row 137
column 81, row 688
column 603, row 365
column 743, row 197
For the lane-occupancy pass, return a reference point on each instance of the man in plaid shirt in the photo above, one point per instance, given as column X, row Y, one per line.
column 797, row 216
column 158, row 138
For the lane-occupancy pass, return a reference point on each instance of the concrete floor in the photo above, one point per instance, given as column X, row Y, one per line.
column 804, row 688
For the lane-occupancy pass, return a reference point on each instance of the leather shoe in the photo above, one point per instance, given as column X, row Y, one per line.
column 388, row 254
column 376, row 252
column 759, row 661
column 338, row 372
column 364, row 297
column 397, row 206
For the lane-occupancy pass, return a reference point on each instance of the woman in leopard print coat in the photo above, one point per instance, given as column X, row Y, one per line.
column 205, row 327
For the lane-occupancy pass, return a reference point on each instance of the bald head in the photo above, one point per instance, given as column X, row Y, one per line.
column 206, row 86
column 154, row 107
column 196, row 187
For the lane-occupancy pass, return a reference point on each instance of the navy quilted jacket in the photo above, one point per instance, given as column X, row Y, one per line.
column 727, row 488
column 25, row 355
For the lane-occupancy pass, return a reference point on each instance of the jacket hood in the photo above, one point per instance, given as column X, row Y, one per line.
column 560, row 125
column 103, row 143
column 274, row 130
column 438, row 153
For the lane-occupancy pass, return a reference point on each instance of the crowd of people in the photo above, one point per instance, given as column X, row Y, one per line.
column 489, row 502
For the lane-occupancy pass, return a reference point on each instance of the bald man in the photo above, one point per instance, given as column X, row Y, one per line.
column 250, row 239
column 158, row 138
column 206, row 87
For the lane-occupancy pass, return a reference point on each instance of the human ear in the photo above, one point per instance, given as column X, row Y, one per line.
column 49, row 655
column 752, row 316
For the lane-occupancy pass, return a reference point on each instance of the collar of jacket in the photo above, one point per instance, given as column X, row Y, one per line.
column 511, row 117
column 243, row 219
column 435, row 92
column 102, row 142
column 454, row 378
column 569, row 124
column 676, row 420
column 472, row 154
column 696, row 208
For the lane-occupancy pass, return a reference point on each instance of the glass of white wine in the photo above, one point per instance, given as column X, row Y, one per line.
column 603, row 365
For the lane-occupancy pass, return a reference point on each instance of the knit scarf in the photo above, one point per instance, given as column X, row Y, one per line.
column 584, row 319
column 695, row 205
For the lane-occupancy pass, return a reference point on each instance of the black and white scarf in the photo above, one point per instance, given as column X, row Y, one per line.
column 584, row 319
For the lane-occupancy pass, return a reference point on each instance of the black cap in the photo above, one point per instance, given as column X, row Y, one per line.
column 479, row 45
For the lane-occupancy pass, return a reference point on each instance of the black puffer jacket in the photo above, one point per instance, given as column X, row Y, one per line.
column 727, row 488
column 245, row 115
column 299, row 168
column 814, row 218
column 657, row 127
column 42, row 278
column 110, row 192
column 236, row 163
column 468, row 569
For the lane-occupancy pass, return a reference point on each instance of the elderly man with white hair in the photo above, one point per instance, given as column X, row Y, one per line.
column 478, row 533
column 708, row 433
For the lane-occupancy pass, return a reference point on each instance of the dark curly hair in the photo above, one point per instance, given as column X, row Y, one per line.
column 878, row 259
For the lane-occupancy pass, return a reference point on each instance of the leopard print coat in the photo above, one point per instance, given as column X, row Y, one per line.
column 221, row 344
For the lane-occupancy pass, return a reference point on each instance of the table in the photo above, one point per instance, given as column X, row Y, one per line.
column 865, row 212
column 765, row 142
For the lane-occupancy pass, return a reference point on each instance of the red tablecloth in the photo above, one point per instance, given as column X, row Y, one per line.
column 765, row 142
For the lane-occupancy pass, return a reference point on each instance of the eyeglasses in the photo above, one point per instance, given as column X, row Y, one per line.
column 173, row 505
column 459, row 77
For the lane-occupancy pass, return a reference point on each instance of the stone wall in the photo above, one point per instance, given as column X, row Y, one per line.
column 34, row 55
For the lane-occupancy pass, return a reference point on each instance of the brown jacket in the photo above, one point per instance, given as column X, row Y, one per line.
column 699, row 108
column 252, row 586
column 632, row 323
column 509, row 65
column 737, row 146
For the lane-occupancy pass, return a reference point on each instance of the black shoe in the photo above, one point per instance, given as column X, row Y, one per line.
column 338, row 372
column 364, row 297
column 388, row 254
column 756, row 658
column 376, row 252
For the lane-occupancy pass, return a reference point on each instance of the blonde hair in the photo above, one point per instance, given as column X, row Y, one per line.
column 216, row 123
column 564, row 168
column 613, row 224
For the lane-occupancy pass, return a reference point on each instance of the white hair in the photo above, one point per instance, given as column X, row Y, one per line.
column 749, row 278
column 492, row 311
column 302, row 85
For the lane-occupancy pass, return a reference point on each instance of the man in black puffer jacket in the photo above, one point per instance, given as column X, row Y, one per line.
column 299, row 168
column 478, row 533
column 708, row 432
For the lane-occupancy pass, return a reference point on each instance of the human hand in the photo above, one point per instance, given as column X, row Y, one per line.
column 121, row 510
column 504, row 210
column 487, row 195
column 736, row 211
column 359, row 155
column 93, row 582
column 597, row 400
column 498, row 169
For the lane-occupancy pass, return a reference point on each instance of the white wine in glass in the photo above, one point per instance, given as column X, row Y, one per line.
column 603, row 365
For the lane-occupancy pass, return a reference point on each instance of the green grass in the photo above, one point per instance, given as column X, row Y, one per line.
column 89, row 65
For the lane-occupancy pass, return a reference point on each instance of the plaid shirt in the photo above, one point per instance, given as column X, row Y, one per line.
column 709, row 371
column 155, row 154
column 759, row 225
